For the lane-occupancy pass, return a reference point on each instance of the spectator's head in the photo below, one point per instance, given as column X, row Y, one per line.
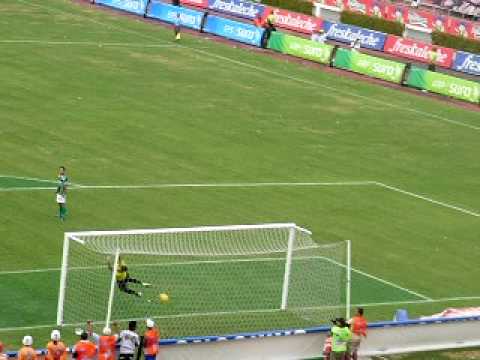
column 132, row 325
column 107, row 331
column 360, row 311
column 55, row 336
column 83, row 336
column 27, row 340
column 341, row 322
column 150, row 323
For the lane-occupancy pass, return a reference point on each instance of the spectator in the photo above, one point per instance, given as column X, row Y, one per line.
column 56, row 349
column 106, row 343
column 27, row 352
column 340, row 337
column 258, row 21
column 84, row 349
column 327, row 346
column 432, row 58
column 177, row 27
column 151, row 339
column 358, row 326
column 129, row 341
column 2, row 355
column 319, row 36
column 356, row 44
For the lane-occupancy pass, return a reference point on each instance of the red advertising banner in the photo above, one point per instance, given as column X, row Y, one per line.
column 395, row 12
column 475, row 31
column 297, row 22
column 418, row 51
column 440, row 23
column 197, row 3
column 421, row 18
column 458, row 27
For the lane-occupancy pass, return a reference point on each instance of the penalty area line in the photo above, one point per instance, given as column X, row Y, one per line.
column 430, row 200
column 83, row 43
column 193, row 185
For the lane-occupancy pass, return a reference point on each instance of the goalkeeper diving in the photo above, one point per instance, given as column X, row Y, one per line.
column 123, row 278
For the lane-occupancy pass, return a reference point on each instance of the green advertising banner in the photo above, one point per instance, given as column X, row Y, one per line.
column 444, row 84
column 299, row 47
column 369, row 65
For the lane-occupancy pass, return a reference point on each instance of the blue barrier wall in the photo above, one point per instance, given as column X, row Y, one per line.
column 246, row 9
column 165, row 12
column 467, row 63
column 347, row 33
column 246, row 33
column 133, row 6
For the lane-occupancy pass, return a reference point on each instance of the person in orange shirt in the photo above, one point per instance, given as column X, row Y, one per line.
column 358, row 325
column 56, row 349
column 107, row 344
column 2, row 355
column 27, row 352
column 151, row 339
column 84, row 349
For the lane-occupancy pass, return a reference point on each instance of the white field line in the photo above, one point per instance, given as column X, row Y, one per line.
column 425, row 198
column 386, row 282
column 401, row 107
column 241, row 185
column 392, row 303
column 83, row 43
column 200, row 185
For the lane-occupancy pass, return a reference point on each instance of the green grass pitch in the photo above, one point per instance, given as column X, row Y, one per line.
column 119, row 104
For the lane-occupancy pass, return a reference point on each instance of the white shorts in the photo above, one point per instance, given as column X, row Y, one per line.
column 61, row 199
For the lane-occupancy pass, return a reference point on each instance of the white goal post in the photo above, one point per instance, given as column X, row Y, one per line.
column 219, row 278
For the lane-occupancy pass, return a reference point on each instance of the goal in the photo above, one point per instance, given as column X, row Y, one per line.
column 220, row 279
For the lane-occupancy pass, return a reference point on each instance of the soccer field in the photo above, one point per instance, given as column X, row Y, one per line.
column 157, row 134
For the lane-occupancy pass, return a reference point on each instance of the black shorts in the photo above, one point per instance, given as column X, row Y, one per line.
column 126, row 356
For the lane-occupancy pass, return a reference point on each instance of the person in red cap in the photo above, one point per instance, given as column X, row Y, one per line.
column 2, row 355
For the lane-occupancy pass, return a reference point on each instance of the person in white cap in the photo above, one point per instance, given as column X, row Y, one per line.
column 129, row 341
column 56, row 349
column 106, row 343
column 27, row 352
column 151, row 340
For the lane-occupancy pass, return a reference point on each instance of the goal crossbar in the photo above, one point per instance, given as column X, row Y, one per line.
column 75, row 235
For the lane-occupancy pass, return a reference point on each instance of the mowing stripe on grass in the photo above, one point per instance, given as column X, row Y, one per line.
column 84, row 43
column 413, row 302
column 243, row 185
column 262, row 259
column 27, row 178
column 271, row 72
column 417, row 196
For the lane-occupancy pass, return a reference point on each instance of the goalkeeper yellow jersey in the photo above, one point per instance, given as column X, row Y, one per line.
column 121, row 271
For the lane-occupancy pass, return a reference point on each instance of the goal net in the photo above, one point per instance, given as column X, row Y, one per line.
column 221, row 279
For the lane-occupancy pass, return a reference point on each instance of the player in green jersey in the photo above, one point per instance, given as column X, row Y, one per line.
column 62, row 183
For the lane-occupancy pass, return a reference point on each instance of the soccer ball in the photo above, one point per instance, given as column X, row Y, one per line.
column 164, row 297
